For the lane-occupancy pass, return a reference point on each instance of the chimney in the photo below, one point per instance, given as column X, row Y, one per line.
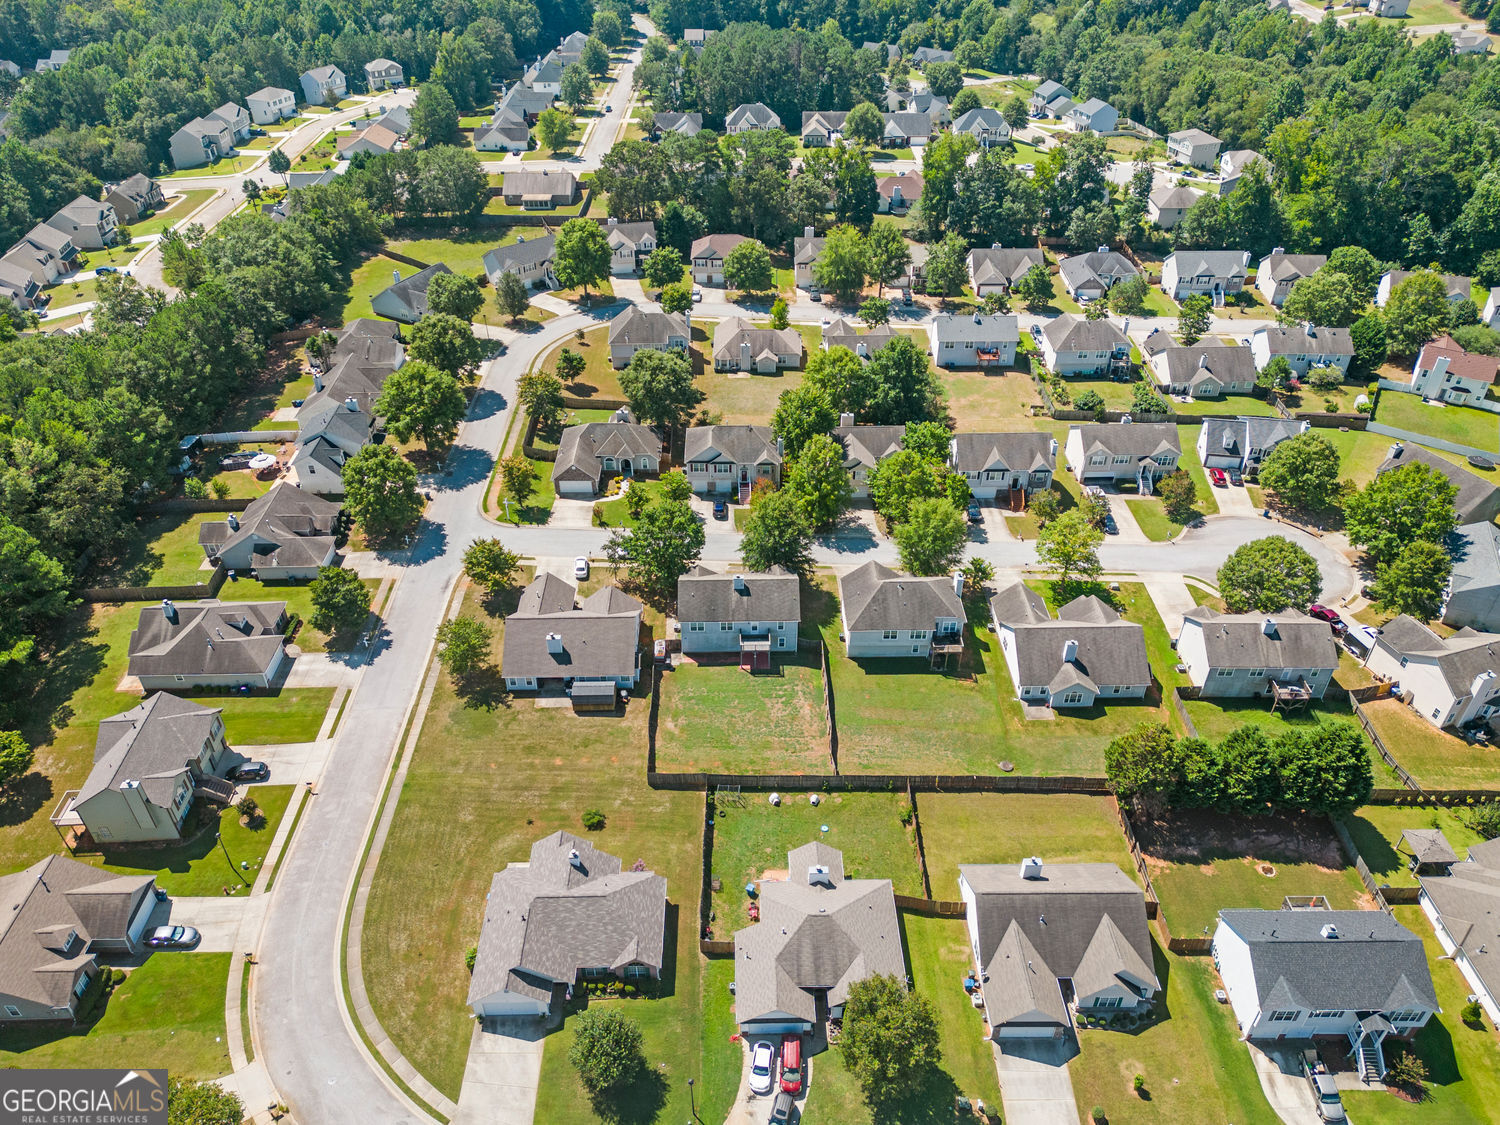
column 1277, row 250
column 807, row 232
column 1268, row 626
column 958, row 583
column 614, row 222
column 169, row 611
column 350, row 405
column 1396, row 451
column 1070, row 650
column 1202, row 360
column 554, row 644
column 233, row 521
column 1102, row 250
column 1031, row 868
column 317, row 380
column 846, row 419
column 863, row 349
column 575, row 859
column 739, row 583
column 820, row 876
column 977, row 318
column 135, row 801
column 395, row 277
column 1329, row 931
column 1440, row 367
column 1479, row 689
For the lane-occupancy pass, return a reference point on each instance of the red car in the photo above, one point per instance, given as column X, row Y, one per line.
column 791, row 1064
column 1323, row 613
column 1218, row 477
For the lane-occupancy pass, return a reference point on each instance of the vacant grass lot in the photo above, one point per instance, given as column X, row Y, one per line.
column 1376, row 831
column 1435, row 758
column 529, row 772
column 1461, row 424
column 716, row 717
column 599, row 378
column 999, row 402
column 167, row 1013
column 752, row 838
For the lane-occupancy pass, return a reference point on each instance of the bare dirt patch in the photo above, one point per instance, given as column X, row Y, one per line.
column 1194, row 836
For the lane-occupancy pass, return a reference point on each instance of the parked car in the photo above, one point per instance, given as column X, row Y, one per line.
column 1110, row 527
column 906, row 296
column 815, row 294
column 791, row 1064
column 173, row 937
column 580, row 567
column 975, row 515
column 762, row 1064
column 1325, row 1089
column 609, row 109
column 250, row 771
column 1236, row 478
column 781, row 1109
column 721, row 510
column 1323, row 613
column 1218, row 477
column 102, row 270
column 697, row 295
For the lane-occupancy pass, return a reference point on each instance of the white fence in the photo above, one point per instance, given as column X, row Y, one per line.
column 242, row 436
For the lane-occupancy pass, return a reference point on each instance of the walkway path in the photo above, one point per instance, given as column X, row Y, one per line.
column 1034, row 1082
column 1172, row 598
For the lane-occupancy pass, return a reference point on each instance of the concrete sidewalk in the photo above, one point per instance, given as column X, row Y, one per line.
column 1173, row 600
column 502, row 1074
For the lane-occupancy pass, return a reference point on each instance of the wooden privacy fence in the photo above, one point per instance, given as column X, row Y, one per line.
column 1380, row 746
column 157, row 593
column 208, row 504
column 875, row 782
column 936, row 908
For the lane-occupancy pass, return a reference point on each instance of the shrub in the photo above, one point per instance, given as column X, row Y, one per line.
column 1472, row 1014
column 117, row 978
column 470, row 956
column 1097, row 1113
column 593, row 819
column 247, row 807
column 194, row 489
column 1407, row 1072
column 904, row 812
column 1139, row 1083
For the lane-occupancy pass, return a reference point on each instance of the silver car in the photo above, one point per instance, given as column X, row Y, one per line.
column 762, row 1068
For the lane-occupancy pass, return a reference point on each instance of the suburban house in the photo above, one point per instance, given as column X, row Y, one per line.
column 236, row 117
column 1085, row 656
column 54, row 60
column 505, row 131
column 905, row 128
column 89, row 224
column 1490, row 314
column 924, row 55
column 323, row 85
column 1473, row 599
column 898, row 193
column 271, row 104
column 986, row 124
column 1241, row 655
column 381, row 74
column 1459, row 287
column 841, row 333
column 317, row 466
column 135, row 197
column 997, row 269
column 864, row 448
column 819, row 933
column 749, row 614
column 1444, row 371
column 629, row 243
column 1168, row 203
column 1208, row 369
column 974, row 341
column 208, row 644
column 740, row 346
column 590, row 453
column 545, row 75
column 1093, row 116
column 10, row 68
column 570, row 915
column 1462, row 900
column 58, row 915
column 751, row 118
column 203, row 140
column 1391, row 9
column 688, row 124
column 1090, row 277
column 889, row 51
column 1451, row 682
column 1193, row 146
column 1122, row 453
column 1013, row 464
column 1303, row 347
column 342, row 405
column 1232, row 165
column 1468, row 41
column 1352, row 975
column 1279, row 271
column 820, row 127
column 889, row 614
column 721, row 459
column 586, row 649
column 642, row 329
column 697, row 37
column 805, row 250
column 1242, row 443
column 707, row 256
column 57, row 248
column 1213, row 273
column 405, row 299
column 529, row 259
column 41, row 266
column 1033, row 926
column 927, row 102
column 374, row 138
column 1477, row 501
column 539, row 191
column 149, row 764
column 285, row 534
column 1157, row 341
column 1075, row 345
column 525, row 101
column 18, row 285
column 1045, row 95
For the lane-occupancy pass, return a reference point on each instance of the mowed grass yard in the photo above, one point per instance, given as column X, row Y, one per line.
column 937, row 951
column 1437, row 759
column 752, row 838
column 599, row 378
column 985, row 403
column 1376, row 832
column 1461, row 424
column 167, row 1013
column 715, row 716
column 1361, row 452
column 528, row 772
column 1216, row 718
column 179, row 207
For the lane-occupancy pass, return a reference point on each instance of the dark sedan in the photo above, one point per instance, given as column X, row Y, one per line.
column 250, row 771
column 173, row 937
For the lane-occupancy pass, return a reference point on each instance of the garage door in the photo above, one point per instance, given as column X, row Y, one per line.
column 1026, row 1031
column 142, row 915
column 509, row 1006
column 756, row 1030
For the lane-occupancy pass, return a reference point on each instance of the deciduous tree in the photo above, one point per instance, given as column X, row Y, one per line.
column 541, row 394
column 581, row 255
column 380, row 491
column 844, row 264
column 1303, row 472
column 454, row 294
column 889, row 1040
column 1035, row 288
column 660, row 388
column 511, row 298
column 607, row 1051
column 554, row 128
column 1414, row 581
column 1269, row 575
column 489, row 563
column 665, row 543
column 434, row 117
column 1405, row 505
column 747, row 267
column 932, row 538
column 1417, row 311
column 420, row 401
column 663, row 267
column 800, row 414
column 1068, row 546
column 816, row 477
column 1195, row 318
column 577, row 86
column 463, row 645
column 777, row 534
column 447, row 343
column 864, row 124
column 1178, row 495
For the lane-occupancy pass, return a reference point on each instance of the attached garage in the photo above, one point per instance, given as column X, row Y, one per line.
column 509, row 1004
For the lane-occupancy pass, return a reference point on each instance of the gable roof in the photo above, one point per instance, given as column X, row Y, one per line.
column 1109, row 651
column 841, row 333
column 1049, row 90
column 1296, row 339
column 207, row 638
column 734, row 334
column 907, row 123
column 1460, row 658
column 823, row 121
column 1458, row 286
column 1030, row 451
column 910, row 183
column 288, row 527
column 1073, row 333
column 1079, row 269
column 1475, row 493
column 1237, row 436
column 1128, row 439
column 601, row 639
column 411, row 291
column 1205, row 360
column 1462, row 364
column 543, row 185
column 323, row 74
column 633, row 235
column 1475, row 548
column 876, row 597
column 1290, row 267
column 1467, row 900
column 155, row 739
column 1211, row 263
column 1003, row 264
column 753, row 113
column 1193, row 137
column 767, row 595
column 1289, row 639
column 520, row 255
column 644, row 327
column 739, row 445
column 714, row 247
column 867, row 446
column 1173, row 197
column 581, row 449
column 688, row 124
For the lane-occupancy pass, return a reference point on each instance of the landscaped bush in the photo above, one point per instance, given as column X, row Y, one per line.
column 1408, row 1073
column 1472, row 1014
column 593, row 819
column 470, row 956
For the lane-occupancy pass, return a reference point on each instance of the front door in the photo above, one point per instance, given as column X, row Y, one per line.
column 626, row 469
column 744, row 475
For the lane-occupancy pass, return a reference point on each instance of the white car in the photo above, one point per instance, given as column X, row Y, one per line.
column 762, row 1068
column 697, row 295
column 580, row 567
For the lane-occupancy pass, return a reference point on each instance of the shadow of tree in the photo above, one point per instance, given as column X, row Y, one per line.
column 930, row 1102
column 23, row 798
column 483, row 689
column 638, row 1102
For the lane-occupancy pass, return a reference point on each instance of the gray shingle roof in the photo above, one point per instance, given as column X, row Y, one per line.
column 1193, row 137
column 519, row 255
column 1110, row 652
column 645, row 327
column 983, row 119
column 1237, row 436
column 1458, row 286
column 1475, row 548
column 1080, row 269
column 1129, row 439
column 1429, row 845
column 598, row 640
column 1241, row 640
column 822, row 121
column 560, row 186
column 867, row 446
column 1476, row 496
column 1460, row 658
column 582, row 448
column 877, row 597
column 997, row 328
column 1285, row 339
column 1005, row 265
column 1211, row 263
column 412, row 291
column 732, row 334
column 1018, row 451
column 688, row 124
column 285, row 527
column 754, row 114
column 1467, row 900
column 207, row 638
column 714, row 247
column 1290, row 267
column 1174, row 197
column 1073, row 333
column 772, row 595
column 841, row 333
column 157, row 738
column 1207, row 360
column 740, row 445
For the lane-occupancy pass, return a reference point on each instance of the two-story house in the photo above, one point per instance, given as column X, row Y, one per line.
column 888, row 614
column 864, row 448
column 1242, row 443
column 1279, row 271
column 1446, row 372
column 985, row 124
column 805, row 250
column 1010, row 465
column 1168, row 204
column 998, row 268
column 1213, row 273
column 821, row 127
column 1123, row 453
column 1093, row 116
column 629, row 244
column 1233, row 165
column 730, row 459
column 642, row 329
column 236, row 117
column 382, row 74
column 203, row 140
column 749, row 613
column 271, row 104
column 1193, row 146
column 1303, row 347
column 1075, row 345
column 1046, row 95
column 1208, row 369
column 134, row 197
column 974, row 341
column 1459, row 288
column 707, row 256
column 1452, row 681
column 1240, row 655
column 89, row 223
column 323, row 85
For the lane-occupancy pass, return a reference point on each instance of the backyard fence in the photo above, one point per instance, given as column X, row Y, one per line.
column 1321, row 420
column 530, row 450
column 1177, row 698
column 1428, row 439
column 1183, row 946
column 404, row 259
column 833, row 727
column 183, row 504
column 1380, row 747
column 572, row 402
column 236, row 437
column 916, row 827
column 936, row 908
column 871, row 782
column 108, row 594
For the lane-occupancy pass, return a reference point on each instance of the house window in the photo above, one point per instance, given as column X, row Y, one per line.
column 1107, row 1002
column 1097, row 459
column 916, row 650
column 919, row 634
column 82, row 986
column 593, row 974
column 888, row 635
column 1284, row 1016
column 1325, row 1015
column 698, row 467
column 1073, row 697
column 781, row 642
column 1257, row 673
column 1403, row 662
column 1436, row 711
column 1406, row 1015
column 1223, row 671
column 13, row 1011
column 697, row 626
column 1114, row 689
column 179, row 679
column 1122, row 460
column 636, row 972
column 781, row 626
column 726, row 626
column 723, row 468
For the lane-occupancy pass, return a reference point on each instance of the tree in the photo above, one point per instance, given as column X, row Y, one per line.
column 1035, row 288
column 977, row 574
column 511, row 298
column 554, row 128
column 844, row 378
column 279, row 162
column 1145, row 400
column 907, row 476
column 581, row 254
column 932, row 538
column 1068, row 546
column 1269, row 575
column 489, row 563
column 1178, row 495
column 780, row 315
column 1303, row 472
column 1195, row 318
column 595, row 57
column 541, row 394
column 666, row 542
column 340, row 601
column 1015, row 111
column 889, row 1040
column 947, row 268
column 676, row 486
column 1247, row 780
column 1275, row 376
column 448, row 343
column 577, row 86
column 660, row 388
column 777, row 534
column 663, row 267
column 420, row 401
column 816, row 477
column 965, row 100
column 16, row 755
column 518, row 477
column 434, row 117
column 944, row 78
column 747, row 267
column 450, row 181
column 33, row 589
column 1095, row 310
column 607, row 28
column 1091, row 401
column 1361, row 267
column 1414, row 581
column 380, row 491
column 1416, row 311
column 677, row 297
column 802, row 413
column 844, row 264
column 606, row 1050
column 463, row 645
column 1405, row 505
column 250, row 189
column 864, row 124
column 1324, row 768
column 888, row 252
column 570, row 365
column 190, row 1102
column 1325, row 298
column 929, row 440
column 454, row 294
column 1144, row 769
column 875, row 311
column 903, row 387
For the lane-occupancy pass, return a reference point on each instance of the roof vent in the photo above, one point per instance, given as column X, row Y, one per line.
column 1031, row 868
column 1396, row 450
column 820, row 876
column 739, row 583
column 1268, row 627
column 554, row 643
column 1102, row 250
column 233, row 521
column 1329, row 931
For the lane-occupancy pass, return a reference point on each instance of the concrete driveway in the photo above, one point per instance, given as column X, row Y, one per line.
column 502, row 1074
column 1285, row 1088
column 1034, row 1082
column 229, row 923
column 1235, row 501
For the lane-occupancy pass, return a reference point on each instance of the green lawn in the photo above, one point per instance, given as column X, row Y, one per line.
column 292, row 716
column 538, row 506
column 461, row 254
column 1216, row 718
column 181, row 207
column 1462, row 1063
column 743, row 399
column 1226, row 404
column 708, row 709
column 448, row 840
column 599, row 378
column 616, row 512
column 833, row 1094
column 990, row 403
column 1361, row 452
column 199, row 866
column 167, row 1013
column 230, row 166
column 1437, row 759
column 369, row 278
column 937, row 950
column 1461, row 424
column 1376, row 831
column 160, row 551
